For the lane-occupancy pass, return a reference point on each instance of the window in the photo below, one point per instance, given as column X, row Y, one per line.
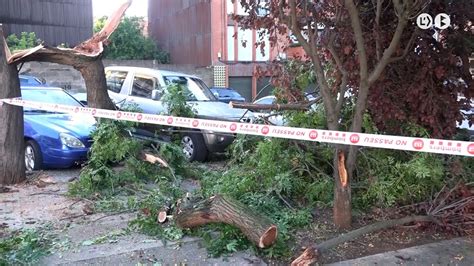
column 143, row 86
column 230, row 7
column 230, row 43
column 194, row 89
column 115, row 80
column 245, row 38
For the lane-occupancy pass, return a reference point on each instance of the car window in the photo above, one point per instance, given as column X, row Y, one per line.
column 195, row 89
column 23, row 81
column 143, row 86
column 265, row 100
column 115, row 80
column 227, row 93
column 48, row 96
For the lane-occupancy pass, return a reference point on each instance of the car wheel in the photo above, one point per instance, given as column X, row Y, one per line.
column 33, row 157
column 194, row 148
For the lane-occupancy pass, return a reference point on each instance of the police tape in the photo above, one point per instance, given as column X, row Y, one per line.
column 452, row 147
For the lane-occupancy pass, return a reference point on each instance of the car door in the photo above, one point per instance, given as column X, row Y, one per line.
column 115, row 85
column 141, row 92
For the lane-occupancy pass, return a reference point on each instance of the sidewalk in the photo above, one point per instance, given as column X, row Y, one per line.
column 458, row 251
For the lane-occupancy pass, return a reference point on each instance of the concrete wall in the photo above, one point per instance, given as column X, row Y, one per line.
column 70, row 79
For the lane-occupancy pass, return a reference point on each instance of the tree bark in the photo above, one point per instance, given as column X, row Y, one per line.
column 342, row 191
column 311, row 254
column 304, row 106
column 96, row 85
column 12, row 158
column 219, row 209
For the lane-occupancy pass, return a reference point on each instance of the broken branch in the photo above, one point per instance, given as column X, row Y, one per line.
column 219, row 209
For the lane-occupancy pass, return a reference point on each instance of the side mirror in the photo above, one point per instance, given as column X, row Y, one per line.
column 156, row 95
column 216, row 94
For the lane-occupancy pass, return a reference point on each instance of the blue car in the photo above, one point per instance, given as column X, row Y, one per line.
column 52, row 139
column 227, row 95
column 26, row 80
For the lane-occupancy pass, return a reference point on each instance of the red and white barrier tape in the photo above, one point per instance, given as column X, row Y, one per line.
column 464, row 148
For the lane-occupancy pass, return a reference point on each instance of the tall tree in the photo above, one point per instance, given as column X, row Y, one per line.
column 12, row 162
column 86, row 57
column 350, row 44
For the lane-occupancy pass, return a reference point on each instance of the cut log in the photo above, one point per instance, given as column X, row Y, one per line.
column 219, row 209
column 302, row 106
column 163, row 214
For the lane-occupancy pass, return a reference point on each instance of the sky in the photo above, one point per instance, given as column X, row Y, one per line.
column 106, row 7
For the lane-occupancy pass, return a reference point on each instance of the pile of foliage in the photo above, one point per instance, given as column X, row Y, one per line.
column 129, row 43
column 24, row 247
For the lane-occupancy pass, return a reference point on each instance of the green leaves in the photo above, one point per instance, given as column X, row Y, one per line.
column 24, row 247
column 175, row 100
column 128, row 41
column 26, row 40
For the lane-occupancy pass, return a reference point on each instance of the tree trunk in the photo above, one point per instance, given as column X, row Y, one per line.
column 96, row 84
column 342, row 191
column 12, row 158
column 255, row 227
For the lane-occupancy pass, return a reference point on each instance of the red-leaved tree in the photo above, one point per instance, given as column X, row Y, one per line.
column 373, row 51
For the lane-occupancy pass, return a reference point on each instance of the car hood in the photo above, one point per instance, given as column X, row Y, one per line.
column 219, row 110
column 78, row 125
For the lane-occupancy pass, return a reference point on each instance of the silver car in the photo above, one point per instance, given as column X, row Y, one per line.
column 145, row 87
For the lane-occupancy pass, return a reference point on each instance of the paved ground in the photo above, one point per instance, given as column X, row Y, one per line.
column 118, row 247
column 459, row 251
column 91, row 240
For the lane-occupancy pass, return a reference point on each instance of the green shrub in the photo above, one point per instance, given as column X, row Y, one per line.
column 128, row 42
column 390, row 181
column 26, row 40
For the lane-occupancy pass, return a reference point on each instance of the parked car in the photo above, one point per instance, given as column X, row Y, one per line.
column 81, row 97
column 145, row 87
column 52, row 139
column 27, row 80
column 227, row 95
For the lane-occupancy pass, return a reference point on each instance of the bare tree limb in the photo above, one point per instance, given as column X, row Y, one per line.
column 359, row 38
column 277, row 107
column 385, row 60
column 329, row 103
column 407, row 48
column 310, row 255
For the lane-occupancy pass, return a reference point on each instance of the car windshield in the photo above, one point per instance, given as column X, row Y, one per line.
column 196, row 89
column 228, row 93
column 47, row 96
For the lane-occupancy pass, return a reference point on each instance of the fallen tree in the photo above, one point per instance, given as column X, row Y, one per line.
column 220, row 209
column 300, row 106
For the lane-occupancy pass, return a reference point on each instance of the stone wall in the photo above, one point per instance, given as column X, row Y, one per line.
column 70, row 79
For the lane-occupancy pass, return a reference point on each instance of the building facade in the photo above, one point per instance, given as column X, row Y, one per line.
column 54, row 21
column 203, row 33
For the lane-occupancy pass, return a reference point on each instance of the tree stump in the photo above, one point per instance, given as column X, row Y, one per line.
column 219, row 209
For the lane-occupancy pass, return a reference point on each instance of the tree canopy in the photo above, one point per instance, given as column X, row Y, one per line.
column 370, row 56
column 129, row 42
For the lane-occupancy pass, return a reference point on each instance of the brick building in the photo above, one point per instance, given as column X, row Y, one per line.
column 200, row 32
column 54, row 21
